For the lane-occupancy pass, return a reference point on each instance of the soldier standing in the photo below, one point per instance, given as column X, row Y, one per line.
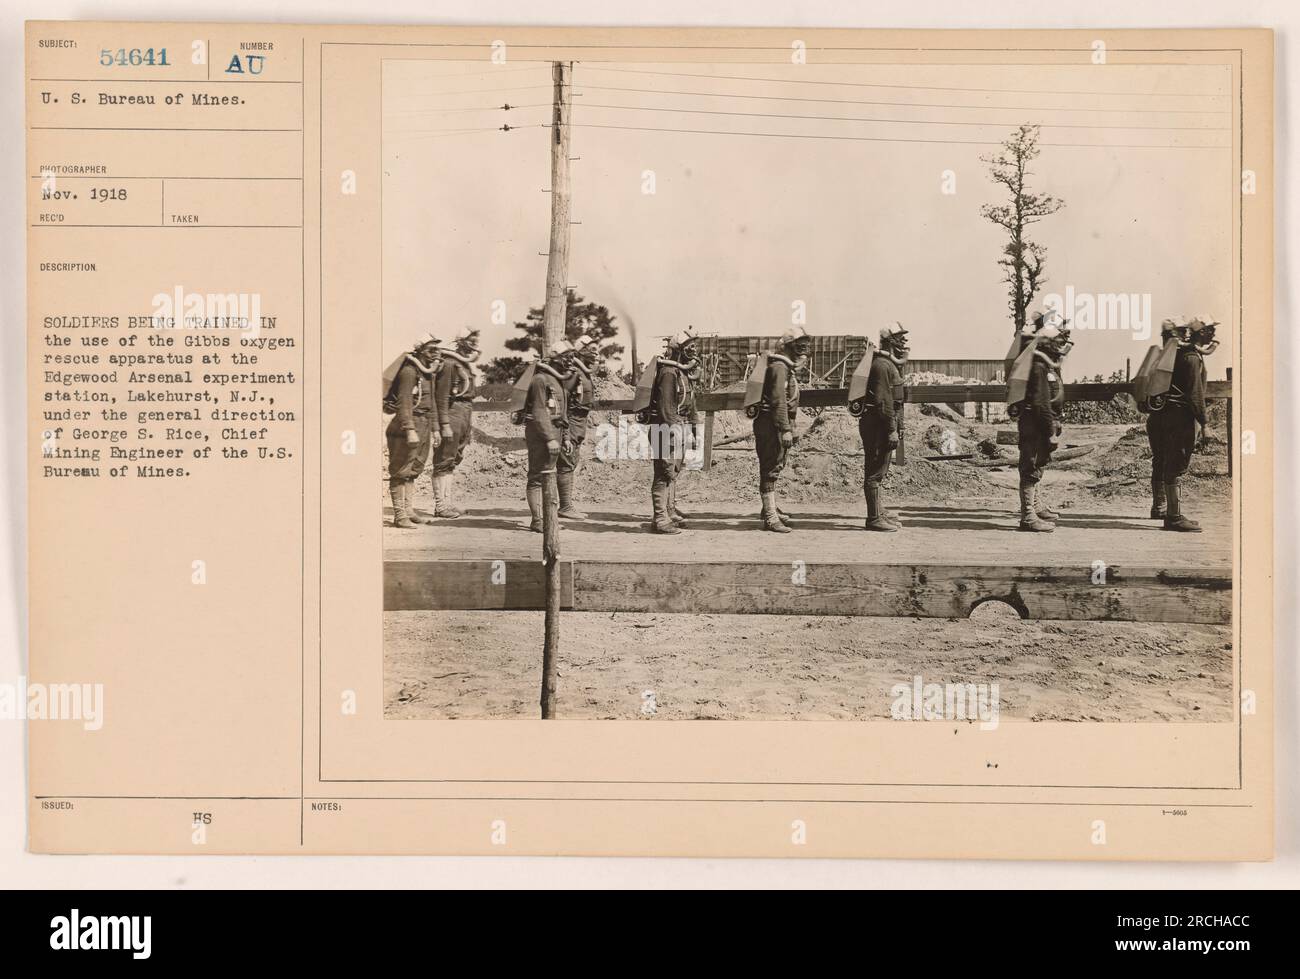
column 414, row 428
column 1175, row 424
column 671, row 411
column 1039, row 424
column 581, row 392
column 880, row 421
column 694, row 371
column 774, row 421
column 1168, row 328
column 453, row 392
column 546, row 423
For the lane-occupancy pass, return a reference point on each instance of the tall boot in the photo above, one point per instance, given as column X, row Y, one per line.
column 780, row 515
column 875, row 518
column 1174, row 519
column 886, row 514
column 1044, row 512
column 397, row 490
column 534, row 494
column 564, row 481
column 772, row 519
column 411, row 513
column 442, row 505
column 675, row 515
column 1157, row 498
column 1029, row 519
column 661, row 523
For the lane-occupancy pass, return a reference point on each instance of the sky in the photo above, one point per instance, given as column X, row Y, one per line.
column 754, row 211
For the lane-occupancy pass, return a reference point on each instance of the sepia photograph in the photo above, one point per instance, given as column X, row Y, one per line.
column 842, row 392
column 795, row 446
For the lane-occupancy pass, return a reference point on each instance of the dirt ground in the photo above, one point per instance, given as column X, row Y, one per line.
column 485, row 664
column 442, row 665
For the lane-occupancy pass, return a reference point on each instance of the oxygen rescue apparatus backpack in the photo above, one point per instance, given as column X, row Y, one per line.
column 1156, row 392
column 1018, row 376
column 1017, row 347
column 581, row 406
column 645, row 389
column 1142, row 379
column 754, row 386
column 388, row 385
column 857, row 400
column 519, row 394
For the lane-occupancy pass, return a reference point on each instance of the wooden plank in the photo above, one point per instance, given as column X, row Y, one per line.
column 931, row 591
column 518, row 585
column 919, row 393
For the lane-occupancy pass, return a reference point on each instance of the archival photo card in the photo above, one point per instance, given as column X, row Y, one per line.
column 787, row 443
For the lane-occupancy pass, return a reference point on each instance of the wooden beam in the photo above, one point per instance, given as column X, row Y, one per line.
column 501, row 585
column 928, row 591
column 918, row 393
column 1129, row 594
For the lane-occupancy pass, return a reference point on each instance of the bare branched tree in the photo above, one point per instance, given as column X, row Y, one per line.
column 1023, row 261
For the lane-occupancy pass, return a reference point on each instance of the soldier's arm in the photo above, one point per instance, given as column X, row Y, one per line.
column 1039, row 393
column 442, row 396
column 668, row 397
column 880, row 390
column 776, row 376
column 407, row 379
column 1197, row 397
column 895, row 414
column 537, row 394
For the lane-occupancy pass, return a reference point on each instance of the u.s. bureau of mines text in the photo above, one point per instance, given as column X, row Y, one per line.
column 165, row 205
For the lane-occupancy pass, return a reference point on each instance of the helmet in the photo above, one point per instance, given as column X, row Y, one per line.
column 560, row 348
column 1179, row 328
column 1053, row 340
column 1202, row 333
column 464, row 343
column 681, row 342
column 893, row 341
column 796, row 337
column 1048, row 316
column 586, row 347
column 894, row 335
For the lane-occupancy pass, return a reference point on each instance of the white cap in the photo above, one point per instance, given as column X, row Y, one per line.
column 583, row 342
column 560, row 346
column 424, row 340
column 1048, row 316
column 891, row 331
column 794, row 335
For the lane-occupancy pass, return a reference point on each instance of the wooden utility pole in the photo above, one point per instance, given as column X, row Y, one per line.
column 553, row 329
